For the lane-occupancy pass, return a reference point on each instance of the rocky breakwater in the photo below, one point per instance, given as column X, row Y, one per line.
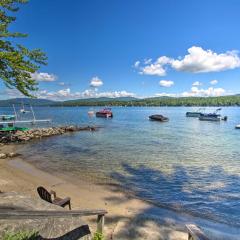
column 38, row 133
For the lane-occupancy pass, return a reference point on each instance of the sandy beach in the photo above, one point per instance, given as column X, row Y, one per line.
column 125, row 218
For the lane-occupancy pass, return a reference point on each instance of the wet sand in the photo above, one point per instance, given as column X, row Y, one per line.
column 127, row 218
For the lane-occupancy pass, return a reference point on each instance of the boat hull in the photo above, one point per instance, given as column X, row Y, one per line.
column 210, row 117
column 104, row 115
column 158, row 118
column 7, row 117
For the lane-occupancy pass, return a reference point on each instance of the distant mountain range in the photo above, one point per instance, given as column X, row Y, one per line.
column 25, row 101
column 45, row 102
column 233, row 100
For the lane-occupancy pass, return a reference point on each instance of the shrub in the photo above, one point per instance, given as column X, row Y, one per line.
column 21, row 235
column 98, row 236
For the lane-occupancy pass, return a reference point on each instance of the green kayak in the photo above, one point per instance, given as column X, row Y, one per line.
column 9, row 129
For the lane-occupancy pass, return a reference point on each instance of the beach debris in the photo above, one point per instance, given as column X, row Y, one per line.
column 38, row 133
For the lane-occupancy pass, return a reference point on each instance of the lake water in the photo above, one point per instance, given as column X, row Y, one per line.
column 185, row 164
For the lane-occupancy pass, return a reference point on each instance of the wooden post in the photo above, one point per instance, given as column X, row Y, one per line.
column 100, row 223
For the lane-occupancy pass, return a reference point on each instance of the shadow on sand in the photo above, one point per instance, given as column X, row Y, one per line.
column 209, row 198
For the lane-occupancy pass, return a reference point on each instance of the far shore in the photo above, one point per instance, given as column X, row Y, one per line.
column 127, row 218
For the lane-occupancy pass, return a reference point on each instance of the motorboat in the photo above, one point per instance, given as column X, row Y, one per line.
column 105, row 113
column 194, row 114
column 91, row 113
column 158, row 117
column 215, row 117
column 210, row 117
column 237, row 126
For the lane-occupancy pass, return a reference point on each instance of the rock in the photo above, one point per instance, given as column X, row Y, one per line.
column 12, row 154
column 3, row 155
column 24, row 136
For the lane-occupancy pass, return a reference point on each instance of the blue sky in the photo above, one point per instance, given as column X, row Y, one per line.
column 138, row 47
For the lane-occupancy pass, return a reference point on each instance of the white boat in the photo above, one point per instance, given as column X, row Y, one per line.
column 91, row 112
column 22, row 110
column 237, row 126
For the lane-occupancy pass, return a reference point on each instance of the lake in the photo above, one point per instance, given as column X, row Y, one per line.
column 184, row 164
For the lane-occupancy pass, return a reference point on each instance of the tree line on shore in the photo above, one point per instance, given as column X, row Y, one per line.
column 159, row 101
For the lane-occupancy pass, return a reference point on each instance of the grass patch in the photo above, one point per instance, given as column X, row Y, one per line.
column 21, row 235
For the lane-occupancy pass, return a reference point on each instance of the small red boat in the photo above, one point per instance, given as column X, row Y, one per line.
column 105, row 113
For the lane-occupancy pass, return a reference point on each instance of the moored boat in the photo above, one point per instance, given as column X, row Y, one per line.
column 194, row 114
column 105, row 113
column 7, row 117
column 91, row 112
column 158, row 117
column 13, row 129
column 214, row 117
column 210, row 117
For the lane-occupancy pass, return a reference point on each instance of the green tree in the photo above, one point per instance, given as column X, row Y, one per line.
column 16, row 61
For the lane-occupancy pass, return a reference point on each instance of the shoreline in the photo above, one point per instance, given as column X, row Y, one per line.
column 128, row 216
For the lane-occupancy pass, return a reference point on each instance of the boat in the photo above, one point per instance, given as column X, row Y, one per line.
column 158, row 117
column 105, row 113
column 210, row 117
column 215, row 117
column 22, row 110
column 194, row 114
column 91, row 113
column 237, row 126
column 15, row 119
column 12, row 129
column 7, row 117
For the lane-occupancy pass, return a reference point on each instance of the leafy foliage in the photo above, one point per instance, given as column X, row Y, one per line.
column 98, row 236
column 21, row 235
column 16, row 61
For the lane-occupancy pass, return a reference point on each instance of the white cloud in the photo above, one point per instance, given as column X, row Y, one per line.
column 166, row 83
column 96, row 82
column 197, row 60
column 197, row 83
column 209, row 92
column 43, row 77
column 147, row 61
column 66, row 94
column 136, row 64
column 196, row 92
column 214, row 82
column 165, row 94
column 156, row 68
